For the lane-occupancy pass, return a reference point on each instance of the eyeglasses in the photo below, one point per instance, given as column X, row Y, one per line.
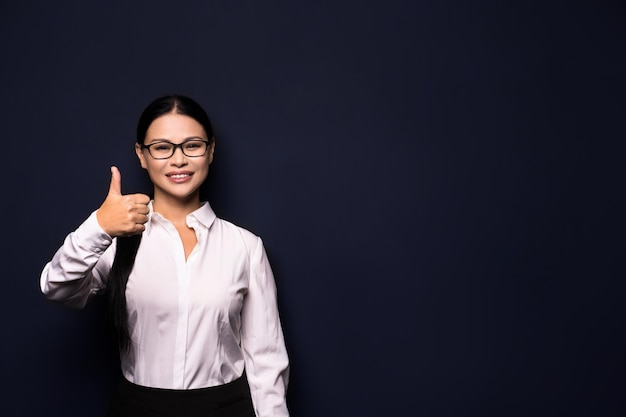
column 191, row 148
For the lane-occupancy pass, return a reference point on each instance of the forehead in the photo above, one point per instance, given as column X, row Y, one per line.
column 174, row 127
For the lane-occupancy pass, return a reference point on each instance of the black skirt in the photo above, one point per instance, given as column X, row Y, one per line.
column 229, row 400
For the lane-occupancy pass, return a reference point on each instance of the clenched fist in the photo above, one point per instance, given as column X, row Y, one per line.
column 122, row 215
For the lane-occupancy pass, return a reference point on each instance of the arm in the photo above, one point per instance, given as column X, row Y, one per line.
column 78, row 269
column 267, row 364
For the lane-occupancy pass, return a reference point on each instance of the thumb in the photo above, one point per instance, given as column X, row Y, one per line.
column 116, row 181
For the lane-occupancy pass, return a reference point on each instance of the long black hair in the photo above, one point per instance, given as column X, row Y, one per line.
column 127, row 246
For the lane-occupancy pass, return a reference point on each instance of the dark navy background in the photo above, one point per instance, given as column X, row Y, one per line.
column 439, row 186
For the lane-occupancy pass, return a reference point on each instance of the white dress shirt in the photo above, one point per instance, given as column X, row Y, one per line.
column 195, row 322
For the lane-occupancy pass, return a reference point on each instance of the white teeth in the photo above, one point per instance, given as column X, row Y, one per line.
column 179, row 176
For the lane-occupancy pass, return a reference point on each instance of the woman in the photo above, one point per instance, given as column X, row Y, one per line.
column 192, row 297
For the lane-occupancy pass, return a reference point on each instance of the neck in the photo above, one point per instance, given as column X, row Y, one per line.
column 174, row 209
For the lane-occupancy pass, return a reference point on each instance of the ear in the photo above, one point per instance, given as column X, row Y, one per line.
column 141, row 156
column 210, row 151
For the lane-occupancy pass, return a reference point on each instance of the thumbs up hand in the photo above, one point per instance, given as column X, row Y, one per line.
column 122, row 215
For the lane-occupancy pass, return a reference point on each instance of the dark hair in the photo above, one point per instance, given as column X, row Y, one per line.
column 127, row 246
column 172, row 104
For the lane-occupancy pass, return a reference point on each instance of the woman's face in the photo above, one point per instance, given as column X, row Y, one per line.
column 179, row 176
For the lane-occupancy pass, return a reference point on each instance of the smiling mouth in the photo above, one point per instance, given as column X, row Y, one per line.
column 179, row 176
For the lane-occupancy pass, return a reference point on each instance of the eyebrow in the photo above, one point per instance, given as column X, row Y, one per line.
column 190, row 138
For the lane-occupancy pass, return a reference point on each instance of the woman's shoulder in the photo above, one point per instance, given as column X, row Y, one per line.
column 230, row 227
column 248, row 242
column 232, row 230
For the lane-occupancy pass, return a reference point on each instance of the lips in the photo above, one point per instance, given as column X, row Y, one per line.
column 179, row 177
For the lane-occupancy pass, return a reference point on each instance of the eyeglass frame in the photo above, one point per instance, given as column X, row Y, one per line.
column 177, row 146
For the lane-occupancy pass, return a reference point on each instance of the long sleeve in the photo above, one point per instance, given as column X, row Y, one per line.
column 267, row 364
column 78, row 268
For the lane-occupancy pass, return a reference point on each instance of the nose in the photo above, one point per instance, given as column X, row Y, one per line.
column 179, row 158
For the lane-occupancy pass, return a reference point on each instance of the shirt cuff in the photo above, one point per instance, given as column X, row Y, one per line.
column 91, row 236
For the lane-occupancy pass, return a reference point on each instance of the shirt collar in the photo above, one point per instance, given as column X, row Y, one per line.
column 203, row 215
